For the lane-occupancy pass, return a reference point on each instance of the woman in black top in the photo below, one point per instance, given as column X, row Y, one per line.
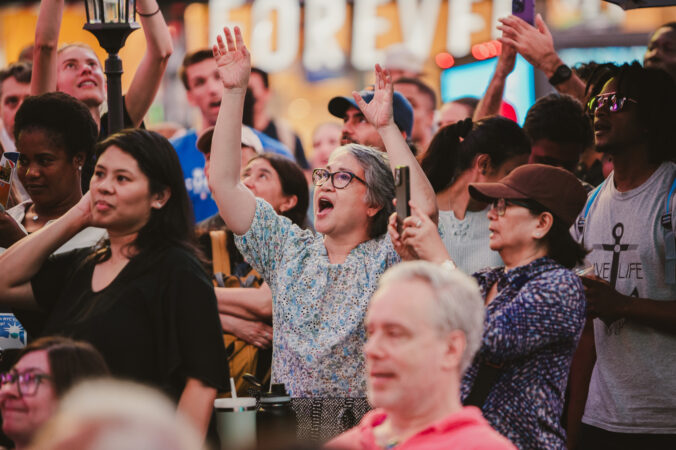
column 142, row 298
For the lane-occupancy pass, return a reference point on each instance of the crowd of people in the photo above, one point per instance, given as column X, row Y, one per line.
column 528, row 300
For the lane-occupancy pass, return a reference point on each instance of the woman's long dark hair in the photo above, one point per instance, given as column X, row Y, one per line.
column 293, row 183
column 454, row 148
column 173, row 224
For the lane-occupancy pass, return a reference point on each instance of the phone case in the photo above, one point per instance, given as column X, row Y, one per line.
column 524, row 9
column 402, row 189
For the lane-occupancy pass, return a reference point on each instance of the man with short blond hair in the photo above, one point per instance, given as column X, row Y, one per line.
column 424, row 325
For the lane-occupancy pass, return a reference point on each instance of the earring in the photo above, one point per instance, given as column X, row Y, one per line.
column 537, row 235
column 79, row 168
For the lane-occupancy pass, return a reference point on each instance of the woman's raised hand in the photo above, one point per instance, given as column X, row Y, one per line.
column 83, row 210
column 233, row 59
column 379, row 110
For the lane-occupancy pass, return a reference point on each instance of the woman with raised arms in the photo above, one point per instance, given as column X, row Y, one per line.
column 321, row 281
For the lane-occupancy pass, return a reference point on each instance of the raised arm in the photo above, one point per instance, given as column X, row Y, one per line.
column 489, row 105
column 379, row 113
column 43, row 78
column 148, row 76
column 236, row 203
column 537, row 46
column 23, row 259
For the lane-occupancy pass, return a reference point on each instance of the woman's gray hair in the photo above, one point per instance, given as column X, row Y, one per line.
column 379, row 184
column 459, row 302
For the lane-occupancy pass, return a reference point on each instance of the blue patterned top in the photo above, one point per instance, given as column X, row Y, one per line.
column 532, row 327
column 318, row 308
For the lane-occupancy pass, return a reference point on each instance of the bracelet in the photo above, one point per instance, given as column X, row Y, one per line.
column 149, row 14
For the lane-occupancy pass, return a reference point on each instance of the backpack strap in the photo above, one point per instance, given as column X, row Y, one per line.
column 583, row 218
column 219, row 253
column 669, row 240
column 485, row 379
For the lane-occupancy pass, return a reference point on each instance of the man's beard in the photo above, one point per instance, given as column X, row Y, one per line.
column 612, row 148
column 346, row 139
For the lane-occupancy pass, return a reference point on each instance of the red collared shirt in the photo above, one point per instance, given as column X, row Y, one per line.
column 463, row 430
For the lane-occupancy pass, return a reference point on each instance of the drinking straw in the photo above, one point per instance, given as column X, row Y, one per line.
column 233, row 391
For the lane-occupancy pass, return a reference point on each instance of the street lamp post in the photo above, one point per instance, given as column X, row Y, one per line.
column 111, row 21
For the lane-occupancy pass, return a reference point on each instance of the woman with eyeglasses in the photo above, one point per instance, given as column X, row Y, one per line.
column 469, row 152
column 535, row 304
column 45, row 370
column 321, row 282
column 244, row 299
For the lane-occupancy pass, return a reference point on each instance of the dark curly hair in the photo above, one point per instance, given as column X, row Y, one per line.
column 560, row 119
column 655, row 94
column 65, row 119
column 454, row 148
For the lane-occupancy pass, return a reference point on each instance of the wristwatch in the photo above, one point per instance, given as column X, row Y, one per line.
column 561, row 74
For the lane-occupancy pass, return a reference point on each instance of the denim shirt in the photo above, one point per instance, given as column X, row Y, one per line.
column 532, row 328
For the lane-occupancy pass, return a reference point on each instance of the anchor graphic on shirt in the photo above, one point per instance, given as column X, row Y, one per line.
column 617, row 248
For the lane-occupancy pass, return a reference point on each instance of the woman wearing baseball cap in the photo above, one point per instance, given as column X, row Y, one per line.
column 535, row 304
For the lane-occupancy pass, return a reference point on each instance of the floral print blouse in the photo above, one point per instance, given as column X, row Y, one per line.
column 318, row 308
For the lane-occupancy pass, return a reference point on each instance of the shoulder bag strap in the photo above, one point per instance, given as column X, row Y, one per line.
column 486, row 378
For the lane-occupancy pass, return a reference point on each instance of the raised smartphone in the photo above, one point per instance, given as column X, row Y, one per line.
column 402, row 191
column 524, row 9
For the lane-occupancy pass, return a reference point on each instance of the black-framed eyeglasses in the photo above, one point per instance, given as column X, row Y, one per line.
column 27, row 382
column 339, row 179
column 615, row 103
column 501, row 204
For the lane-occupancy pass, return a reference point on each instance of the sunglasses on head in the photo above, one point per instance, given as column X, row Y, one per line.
column 615, row 103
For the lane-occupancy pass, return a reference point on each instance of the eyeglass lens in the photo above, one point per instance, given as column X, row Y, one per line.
column 339, row 180
column 27, row 382
column 499, row 205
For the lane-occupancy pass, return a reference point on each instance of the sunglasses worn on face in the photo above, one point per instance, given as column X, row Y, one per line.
column 615, row 103
column 27, row 382
column 339, row 179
